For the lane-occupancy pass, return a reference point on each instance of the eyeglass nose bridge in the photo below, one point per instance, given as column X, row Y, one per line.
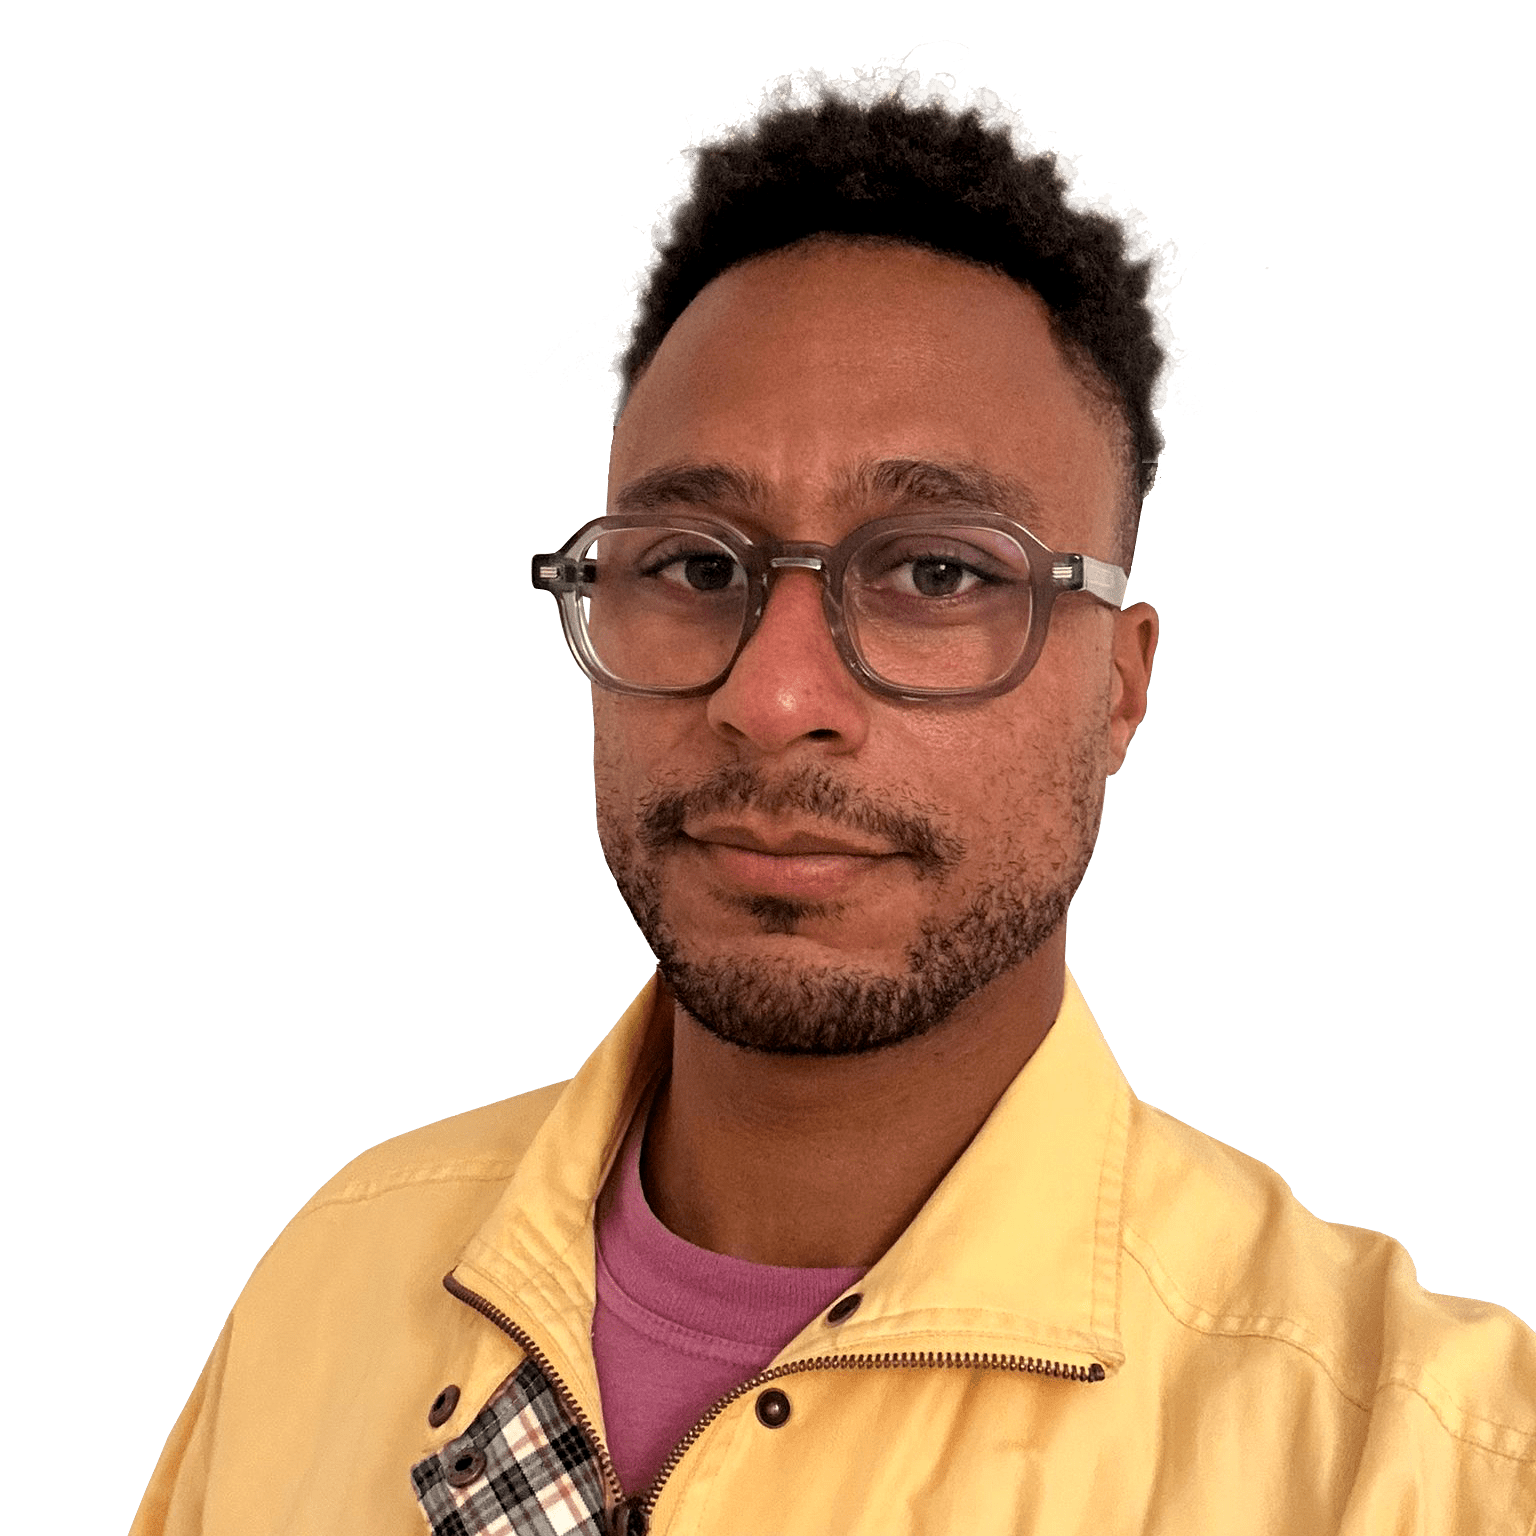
column 819, row 560
column 815, row 558
column 799, row 557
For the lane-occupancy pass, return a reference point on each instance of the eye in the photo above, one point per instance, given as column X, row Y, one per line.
column 929, row 571
column 939, row 573
column 935, row 576
column 698, row 569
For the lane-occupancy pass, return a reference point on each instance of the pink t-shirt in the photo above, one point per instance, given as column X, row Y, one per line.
column 677, row 1327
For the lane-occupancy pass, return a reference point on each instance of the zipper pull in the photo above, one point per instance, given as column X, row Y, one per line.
column 627, row 1518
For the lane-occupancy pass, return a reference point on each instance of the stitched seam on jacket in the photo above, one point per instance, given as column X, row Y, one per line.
column 358, row 1193
column 1106, row 1231
column 545, row 1277
column 1253, row 1328
column 546, row 1266
column 1004, row 1342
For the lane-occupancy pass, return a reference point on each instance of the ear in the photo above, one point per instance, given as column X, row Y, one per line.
column 1131, row 652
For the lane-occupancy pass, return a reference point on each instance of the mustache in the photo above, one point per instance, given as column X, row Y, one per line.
column 810, row 790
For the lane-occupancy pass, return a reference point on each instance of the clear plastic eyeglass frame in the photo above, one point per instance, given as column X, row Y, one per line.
column 1053, row 573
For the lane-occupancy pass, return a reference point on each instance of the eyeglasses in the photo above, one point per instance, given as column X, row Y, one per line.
column 920, row 607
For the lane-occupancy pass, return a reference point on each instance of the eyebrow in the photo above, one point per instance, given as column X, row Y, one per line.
column 690, row 485
column 925, row 482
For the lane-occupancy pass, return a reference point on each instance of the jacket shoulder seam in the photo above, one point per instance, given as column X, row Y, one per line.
column 357, row 1191
column 1262, row 1327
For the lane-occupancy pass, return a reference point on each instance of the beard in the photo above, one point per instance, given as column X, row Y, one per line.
column 784, row 1006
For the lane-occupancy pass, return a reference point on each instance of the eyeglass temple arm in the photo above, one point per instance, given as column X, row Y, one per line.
column 1098, row 578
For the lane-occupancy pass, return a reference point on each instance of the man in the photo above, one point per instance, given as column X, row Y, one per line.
column 852, row 1224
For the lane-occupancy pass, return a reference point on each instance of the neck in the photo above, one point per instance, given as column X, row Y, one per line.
column 823, row 1161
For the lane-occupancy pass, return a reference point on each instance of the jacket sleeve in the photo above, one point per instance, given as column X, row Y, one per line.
column 173, row 1502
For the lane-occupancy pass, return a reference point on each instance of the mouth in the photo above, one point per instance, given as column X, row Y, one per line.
column 785, row 842
column 794, row 864
column 806, row 812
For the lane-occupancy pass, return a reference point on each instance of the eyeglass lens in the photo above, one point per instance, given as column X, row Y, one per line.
column 941, row 607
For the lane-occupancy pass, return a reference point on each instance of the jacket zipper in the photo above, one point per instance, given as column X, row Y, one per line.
column 1028, row 1363
column 631, row 1516
column 494, row 1314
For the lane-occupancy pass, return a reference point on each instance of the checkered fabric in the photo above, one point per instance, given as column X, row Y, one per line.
column 541, row 1475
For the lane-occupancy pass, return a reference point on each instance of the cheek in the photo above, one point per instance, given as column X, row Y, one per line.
column 636, row 744
column 1018, row 774
column 974, row 772
column 612, row 758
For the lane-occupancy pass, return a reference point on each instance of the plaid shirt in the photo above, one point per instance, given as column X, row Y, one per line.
column 521, row 1466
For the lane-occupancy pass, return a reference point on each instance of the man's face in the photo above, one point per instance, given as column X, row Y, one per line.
column 818, row 868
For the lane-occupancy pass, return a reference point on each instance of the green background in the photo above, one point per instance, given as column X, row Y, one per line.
column 300, row 842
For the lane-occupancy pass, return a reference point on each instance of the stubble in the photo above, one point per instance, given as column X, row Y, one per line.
column 790, row 1006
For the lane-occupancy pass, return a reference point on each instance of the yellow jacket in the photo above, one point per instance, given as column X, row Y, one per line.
column 1102, row 1321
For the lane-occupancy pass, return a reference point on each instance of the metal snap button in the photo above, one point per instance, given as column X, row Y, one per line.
column 844, row 1309
column 772, row 1408
column 443, row 1405
column 465, row 1466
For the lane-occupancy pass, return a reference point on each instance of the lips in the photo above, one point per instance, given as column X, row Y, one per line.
column 785, row 842
column 799, row 864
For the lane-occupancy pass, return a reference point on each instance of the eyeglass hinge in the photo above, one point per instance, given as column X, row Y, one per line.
column 1068, row 573
column 552, row 574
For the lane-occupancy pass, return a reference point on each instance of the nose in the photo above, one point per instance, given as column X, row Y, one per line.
column 789, row 684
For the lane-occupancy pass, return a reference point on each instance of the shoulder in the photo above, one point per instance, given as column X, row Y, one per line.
column 1235, row 1259
column 481, row 1145
column 393, row 1221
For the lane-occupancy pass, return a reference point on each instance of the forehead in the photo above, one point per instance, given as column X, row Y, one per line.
column 800, row 370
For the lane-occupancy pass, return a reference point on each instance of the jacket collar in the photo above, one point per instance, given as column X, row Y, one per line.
column 1016, row 1253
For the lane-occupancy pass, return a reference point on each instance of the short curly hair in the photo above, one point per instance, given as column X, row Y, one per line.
column 921, row 174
